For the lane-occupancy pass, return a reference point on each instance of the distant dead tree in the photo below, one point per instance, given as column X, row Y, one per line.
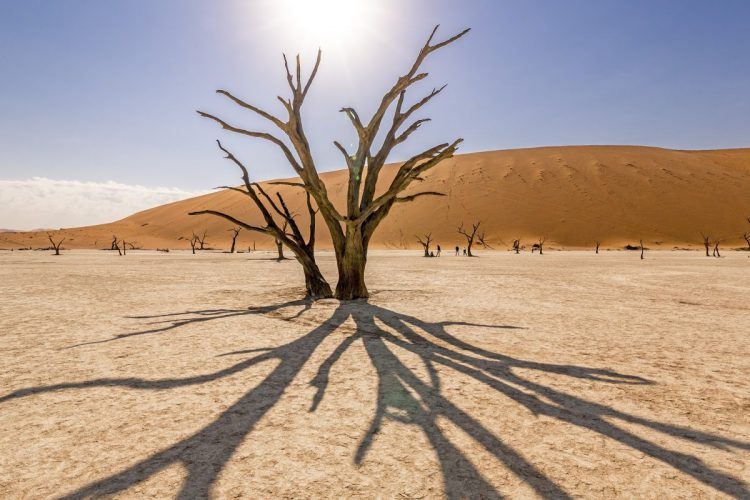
column 746, row 236
column 235, row 232
column 716, row 249
column 539, row 246
column 706, row 243
column 425, row 242
column 352, row 229
column 116, row 245
column 315, row 284
column 469, row 235
column 193, row 242
column 597, row 245
column 483, row 241
column 641, row 242
column 201, row 239
column 517, row 245
column 56, row 246
column 280, row 244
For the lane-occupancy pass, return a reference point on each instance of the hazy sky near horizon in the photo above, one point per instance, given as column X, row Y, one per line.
column 101, row 96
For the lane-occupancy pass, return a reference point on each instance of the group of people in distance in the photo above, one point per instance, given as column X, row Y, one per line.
column 437, row 254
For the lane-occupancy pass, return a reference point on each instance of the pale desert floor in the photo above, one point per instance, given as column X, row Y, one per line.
column 568, row 374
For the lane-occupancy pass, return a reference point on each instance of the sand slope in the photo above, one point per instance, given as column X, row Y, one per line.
column 573, row 195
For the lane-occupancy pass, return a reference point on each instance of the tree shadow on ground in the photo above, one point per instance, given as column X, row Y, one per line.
column 401, row 396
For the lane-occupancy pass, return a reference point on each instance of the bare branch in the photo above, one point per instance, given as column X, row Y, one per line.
column 312, row 74
column 260, row 135
column 231, row 219
column 282, row 125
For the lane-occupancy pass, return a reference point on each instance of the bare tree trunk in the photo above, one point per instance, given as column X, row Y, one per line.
column 202, row 239
column 716, row 249
column 364, row 210
column 56, row 246
column 316, row 285
column 641, row 249
column 469, row 236
column 351, row 267
column 425, row 243
column 597, row 246
column 280, row 250
column 235, row 233
column 747, row 239
column 706, row 243
column 517, row 246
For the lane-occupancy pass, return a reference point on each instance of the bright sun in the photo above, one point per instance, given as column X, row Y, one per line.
column 327, row 23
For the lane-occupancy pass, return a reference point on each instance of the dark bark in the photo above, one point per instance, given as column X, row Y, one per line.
column 641, row 242
column 56, row 246
column 351, row 267
column 201, row 240
column 517, row 246
column 425, row 243
column 351, row 231
column 235, row 233
column 469, row 235
column 597, row 246
column 706, row 243
column 304, row 251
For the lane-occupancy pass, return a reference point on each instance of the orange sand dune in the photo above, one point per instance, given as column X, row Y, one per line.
column 572, row 195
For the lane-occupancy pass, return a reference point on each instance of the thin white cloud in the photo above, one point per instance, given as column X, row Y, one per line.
column 47, row 203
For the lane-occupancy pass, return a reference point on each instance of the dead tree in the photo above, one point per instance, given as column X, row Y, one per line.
column 517, row 246
column 116, row 245
column 280, row 244
column 641, row 242
column 716, row 249
column 315, row 284
column 469, row 236
column 56, row 246
column 746, row 236
column 235, row 232
column 352, row 230
column 193, row 242
column 540, row 245
column 201, row 239
column 597, row 245
column 706, row 243
column 425, row 243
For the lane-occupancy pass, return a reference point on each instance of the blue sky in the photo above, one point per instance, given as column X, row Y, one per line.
column 102, row 92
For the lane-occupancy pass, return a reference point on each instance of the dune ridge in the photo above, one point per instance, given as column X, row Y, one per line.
column 572, row 195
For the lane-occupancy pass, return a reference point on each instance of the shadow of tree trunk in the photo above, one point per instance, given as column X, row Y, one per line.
column 401, row 396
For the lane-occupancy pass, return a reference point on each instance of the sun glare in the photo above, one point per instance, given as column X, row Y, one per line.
column 327, row 23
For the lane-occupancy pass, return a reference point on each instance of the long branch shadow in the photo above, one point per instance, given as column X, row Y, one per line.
column 401, row 396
